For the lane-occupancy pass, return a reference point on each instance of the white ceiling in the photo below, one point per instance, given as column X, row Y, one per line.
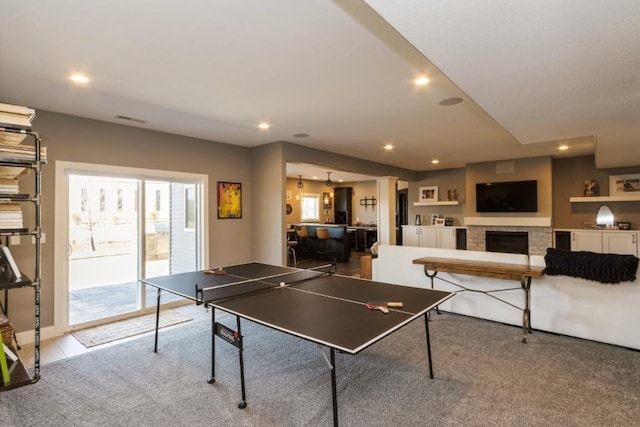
column 532, row 75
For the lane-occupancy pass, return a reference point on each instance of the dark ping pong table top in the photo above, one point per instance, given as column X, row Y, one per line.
column 329, row 310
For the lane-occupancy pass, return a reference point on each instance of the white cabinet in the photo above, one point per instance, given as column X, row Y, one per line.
column 428, row 236
column 446, row 237
column 586, row 240
column 604, row 241
column 620, row 242
column 419, row 235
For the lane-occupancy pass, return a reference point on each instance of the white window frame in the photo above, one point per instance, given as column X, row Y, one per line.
column 306, row 216
column 61, row 207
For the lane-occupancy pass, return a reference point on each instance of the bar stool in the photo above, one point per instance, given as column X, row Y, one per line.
column 324, row 238
column 291, row 252
column 303, row 236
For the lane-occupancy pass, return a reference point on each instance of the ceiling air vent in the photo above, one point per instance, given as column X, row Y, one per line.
column 130, row 119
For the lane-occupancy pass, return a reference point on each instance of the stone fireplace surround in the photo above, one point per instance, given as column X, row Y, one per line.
column 540, row 238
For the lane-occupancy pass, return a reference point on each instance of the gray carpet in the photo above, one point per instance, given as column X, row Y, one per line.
column 484, row 377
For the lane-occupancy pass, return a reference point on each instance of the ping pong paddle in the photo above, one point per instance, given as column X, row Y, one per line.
column 219, row 271
column 383, row 306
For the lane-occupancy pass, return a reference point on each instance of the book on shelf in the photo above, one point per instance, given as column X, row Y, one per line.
column 10, row 354
column 11, row 262
column 10, row 216
column 21, row 152
column 30, row 113
column 13, row 172
column 16, row 116
column 9, row 186
column 11, row 138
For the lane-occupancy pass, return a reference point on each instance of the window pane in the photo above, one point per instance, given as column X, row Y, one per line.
column 310, row 207
column 190, row 207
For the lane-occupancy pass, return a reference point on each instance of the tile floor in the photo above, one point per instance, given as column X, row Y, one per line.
column 66, row 346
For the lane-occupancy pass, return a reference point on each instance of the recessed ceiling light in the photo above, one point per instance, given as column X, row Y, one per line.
column 563, row 147
column 79, row 78
column 301, row 135
column 450, row 101
column 435, row 161
column 421, row 81
column 264, row 125
column 388, row 147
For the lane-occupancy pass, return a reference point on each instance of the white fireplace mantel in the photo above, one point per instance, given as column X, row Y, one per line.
column 508, row 221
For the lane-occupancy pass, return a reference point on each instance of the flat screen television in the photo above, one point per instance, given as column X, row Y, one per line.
column 512, row 196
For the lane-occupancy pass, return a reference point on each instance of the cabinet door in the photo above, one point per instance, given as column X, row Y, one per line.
column 428, row 237
column 617, row 242
column 447, row 238
column 410, row 236
column 586, row 241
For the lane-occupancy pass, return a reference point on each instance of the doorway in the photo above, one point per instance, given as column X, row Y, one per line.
column 402, row 213
column 121, row 228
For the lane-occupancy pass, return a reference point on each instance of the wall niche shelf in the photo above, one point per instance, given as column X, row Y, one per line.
column 602, row 199
column 437, row 203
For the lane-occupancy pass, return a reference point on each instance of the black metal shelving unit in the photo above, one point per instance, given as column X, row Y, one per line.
column 19, row 373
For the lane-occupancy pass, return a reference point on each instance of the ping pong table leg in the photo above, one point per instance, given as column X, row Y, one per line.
column 334, row 393
column 243, row 402
column 155, row 345
column 426, row 325
column 212, row 377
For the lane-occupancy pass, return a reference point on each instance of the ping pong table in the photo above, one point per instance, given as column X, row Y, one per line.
column 315, row 304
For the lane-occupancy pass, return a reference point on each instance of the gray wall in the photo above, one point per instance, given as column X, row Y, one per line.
column 258, row 235
column 569, row 175
column 74, row 139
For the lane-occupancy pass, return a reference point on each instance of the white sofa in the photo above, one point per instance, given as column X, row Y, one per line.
column 559, row 304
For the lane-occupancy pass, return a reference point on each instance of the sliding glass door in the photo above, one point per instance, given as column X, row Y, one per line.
column 122, row 229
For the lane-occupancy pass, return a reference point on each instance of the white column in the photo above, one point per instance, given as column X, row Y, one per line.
column 387, row 210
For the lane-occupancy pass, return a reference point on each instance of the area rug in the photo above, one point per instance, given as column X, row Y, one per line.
column 103, row 334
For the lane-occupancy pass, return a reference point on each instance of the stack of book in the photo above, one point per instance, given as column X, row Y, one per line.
column 15, row 124
column 10, row 216
column 16, row 117
column 9, row 186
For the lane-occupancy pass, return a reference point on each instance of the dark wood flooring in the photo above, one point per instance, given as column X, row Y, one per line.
column 351, row 268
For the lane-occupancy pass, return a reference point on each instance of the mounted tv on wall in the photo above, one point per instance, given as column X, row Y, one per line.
column 512, row 196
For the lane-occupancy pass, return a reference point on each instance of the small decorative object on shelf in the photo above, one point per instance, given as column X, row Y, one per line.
column 448, row 221
column 455, row 195
column 590, row 188
column 418, row 220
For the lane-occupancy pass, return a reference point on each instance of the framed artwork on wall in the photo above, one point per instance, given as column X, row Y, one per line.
column 428, row 194
column 229, row 200
column 624, row 185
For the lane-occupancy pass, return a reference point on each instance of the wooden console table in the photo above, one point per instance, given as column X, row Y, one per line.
column 496, row 270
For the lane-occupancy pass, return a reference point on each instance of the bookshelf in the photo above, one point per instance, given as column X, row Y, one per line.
column 21, row 153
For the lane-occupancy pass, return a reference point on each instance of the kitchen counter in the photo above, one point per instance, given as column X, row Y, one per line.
column 311, row 247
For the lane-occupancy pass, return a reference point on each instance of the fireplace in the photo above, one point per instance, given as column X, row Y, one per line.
column 513, row 242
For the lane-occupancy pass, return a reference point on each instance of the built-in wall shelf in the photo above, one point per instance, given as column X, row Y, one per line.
column 368, row 201
column 601, row 199
column 437, row 203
